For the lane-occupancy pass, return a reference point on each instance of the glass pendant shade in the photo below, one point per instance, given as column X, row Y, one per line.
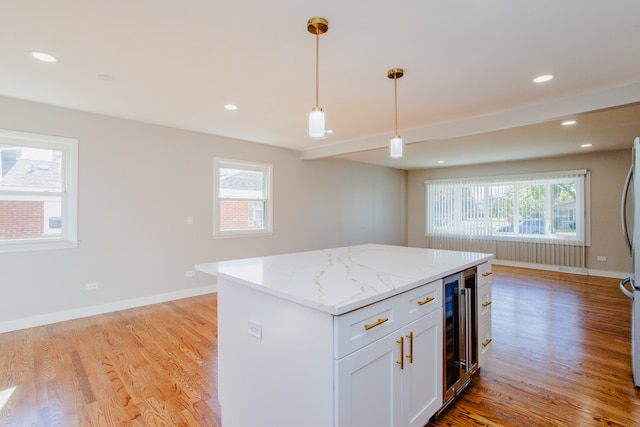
column 316, row 124
column 396, row 147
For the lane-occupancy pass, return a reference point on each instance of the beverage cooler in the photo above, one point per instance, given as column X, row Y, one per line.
column 460, row 332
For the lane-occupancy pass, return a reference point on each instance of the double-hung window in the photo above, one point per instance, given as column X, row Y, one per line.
column 38, row 191
column 242, row 199
column 545, row 207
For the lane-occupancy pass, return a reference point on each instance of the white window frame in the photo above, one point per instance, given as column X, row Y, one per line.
column 68, row 237
column 267, row 170
column 582, row 238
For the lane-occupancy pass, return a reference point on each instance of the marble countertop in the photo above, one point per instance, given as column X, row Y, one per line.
column 340, row 280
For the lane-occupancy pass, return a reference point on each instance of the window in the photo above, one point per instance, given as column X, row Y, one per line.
column 38, row 191
column 549, row 208
column 242, row 199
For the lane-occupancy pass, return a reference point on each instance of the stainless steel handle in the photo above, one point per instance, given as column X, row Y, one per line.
column 462, row 320
column 624, row 289
column 623, row 210
column 468, row 332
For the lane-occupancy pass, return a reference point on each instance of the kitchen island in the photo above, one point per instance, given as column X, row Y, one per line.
column 339, row 337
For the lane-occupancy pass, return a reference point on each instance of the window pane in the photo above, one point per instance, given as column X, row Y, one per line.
column 236, row 215
column 239, row 183
column 34, row 218
column 472, row 216
column 501, row 208
column 28, row 168
column 545, row 209
column 242, row 204
column 441, row 210
column 564, row 208
column 531, row 197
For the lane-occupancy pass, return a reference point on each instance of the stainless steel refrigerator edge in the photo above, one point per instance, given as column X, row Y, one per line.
column 629, row 286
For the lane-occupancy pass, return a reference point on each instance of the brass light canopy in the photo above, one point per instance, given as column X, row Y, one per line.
column 317, row 130
column 317, row 25
column 396, row 145
column 395, row 73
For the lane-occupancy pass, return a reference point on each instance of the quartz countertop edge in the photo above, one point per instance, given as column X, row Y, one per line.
column 340, row 280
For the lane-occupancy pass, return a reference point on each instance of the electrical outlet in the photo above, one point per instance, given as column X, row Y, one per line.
column 190, row 273
column 255, row 329
column 91, row 286
column 189, row 220
column 602, row 258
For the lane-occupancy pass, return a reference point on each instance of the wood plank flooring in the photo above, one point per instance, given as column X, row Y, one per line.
column 149, row 366
column 561, row 357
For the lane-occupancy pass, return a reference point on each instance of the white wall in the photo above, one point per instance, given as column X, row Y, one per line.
column 608, row 172
column 137, row 185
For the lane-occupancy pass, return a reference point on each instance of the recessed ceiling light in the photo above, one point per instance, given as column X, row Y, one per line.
column 568, row 123
column 231, row 107
column 440, row 162
column 45, row 57
column 586, row 145
column 543, row 78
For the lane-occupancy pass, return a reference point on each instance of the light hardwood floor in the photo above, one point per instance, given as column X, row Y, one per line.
column 561, row 357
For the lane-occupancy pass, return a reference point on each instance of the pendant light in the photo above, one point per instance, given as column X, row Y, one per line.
column 396, row 144
column 317, row 26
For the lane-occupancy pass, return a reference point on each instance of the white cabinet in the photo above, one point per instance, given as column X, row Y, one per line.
column 395, row 380
column 484, row 312
column 368, row 387
column 308, row 340
column 422, row 377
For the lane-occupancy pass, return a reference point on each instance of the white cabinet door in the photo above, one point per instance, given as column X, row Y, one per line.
column 368, row 385
column 422, row 374
column 484, row 322
column 485, row 342
column 374, row 390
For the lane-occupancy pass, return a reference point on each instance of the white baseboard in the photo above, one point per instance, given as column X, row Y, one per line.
column 568, row 270
column 611, row 274
column 61, row 316
column 77, row 313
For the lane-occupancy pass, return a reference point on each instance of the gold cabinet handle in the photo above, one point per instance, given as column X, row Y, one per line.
column 486, row 304
column 487, row 342
column 410, row 355
column 429, row 299
column 401, row 360
column 373, row 325
column 486, row 273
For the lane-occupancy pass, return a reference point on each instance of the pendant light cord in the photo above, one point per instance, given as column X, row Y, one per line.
column 395, row 92
column 317, row 67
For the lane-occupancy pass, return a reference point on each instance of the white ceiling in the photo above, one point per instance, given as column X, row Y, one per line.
column 466, row 97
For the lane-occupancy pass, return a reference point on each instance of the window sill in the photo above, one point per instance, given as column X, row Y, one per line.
column 36, row 246
column 233, row 234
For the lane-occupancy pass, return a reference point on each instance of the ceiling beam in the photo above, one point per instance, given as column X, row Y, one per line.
column 527, row 115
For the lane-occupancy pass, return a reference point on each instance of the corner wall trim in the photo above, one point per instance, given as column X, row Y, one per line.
column 77, row 313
